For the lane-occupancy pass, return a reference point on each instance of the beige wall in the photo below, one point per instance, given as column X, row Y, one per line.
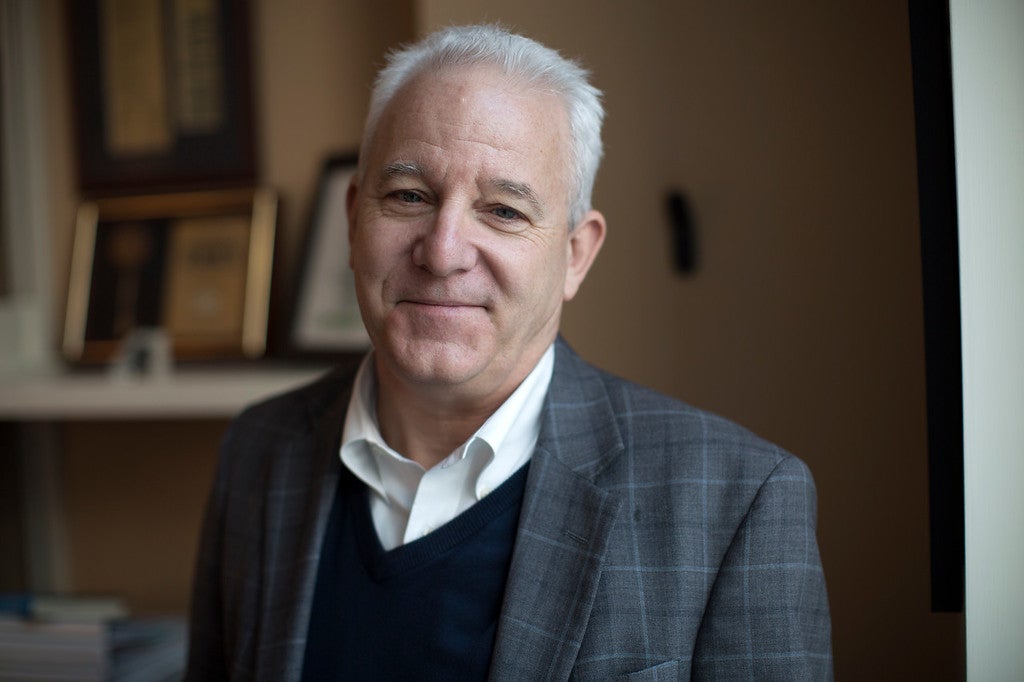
column 790, row 127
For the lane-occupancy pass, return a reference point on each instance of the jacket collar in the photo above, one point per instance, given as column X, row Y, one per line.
column 579, row 426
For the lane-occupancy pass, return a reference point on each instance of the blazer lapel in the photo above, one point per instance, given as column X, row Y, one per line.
column 563, row 530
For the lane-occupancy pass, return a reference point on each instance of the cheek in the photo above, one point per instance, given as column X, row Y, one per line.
column 533, row 277
column 375, row 251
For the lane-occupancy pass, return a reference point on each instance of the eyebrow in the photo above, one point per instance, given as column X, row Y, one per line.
column 401, row 168
column 522, row 191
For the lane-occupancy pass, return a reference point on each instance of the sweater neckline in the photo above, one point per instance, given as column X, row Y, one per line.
column 384, row 564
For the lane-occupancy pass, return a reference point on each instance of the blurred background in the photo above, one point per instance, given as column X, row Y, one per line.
column 788, row 130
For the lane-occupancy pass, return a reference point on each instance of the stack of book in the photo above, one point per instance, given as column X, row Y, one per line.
column 86, row 640
column 148, row 650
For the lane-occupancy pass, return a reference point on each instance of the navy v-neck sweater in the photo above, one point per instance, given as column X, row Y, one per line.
column 427, row 610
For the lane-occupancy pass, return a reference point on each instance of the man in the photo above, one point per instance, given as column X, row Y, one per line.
column 477, row 501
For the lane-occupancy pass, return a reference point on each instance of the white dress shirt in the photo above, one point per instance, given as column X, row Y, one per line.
column 408, row 501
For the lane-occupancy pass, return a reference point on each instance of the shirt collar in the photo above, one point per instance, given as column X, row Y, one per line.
column 507, row 437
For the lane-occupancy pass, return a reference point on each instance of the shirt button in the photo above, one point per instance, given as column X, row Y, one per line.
column 484, row 492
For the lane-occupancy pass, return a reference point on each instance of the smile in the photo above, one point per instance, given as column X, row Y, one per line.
column 440, row 311
column 441, row 304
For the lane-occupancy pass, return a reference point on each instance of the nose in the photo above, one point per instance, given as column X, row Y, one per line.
column 445, row 248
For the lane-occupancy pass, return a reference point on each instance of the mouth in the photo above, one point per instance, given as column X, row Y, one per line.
column 444, row 312
column 440, row 303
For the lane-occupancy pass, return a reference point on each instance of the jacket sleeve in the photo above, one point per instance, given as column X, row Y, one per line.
column 767, row 617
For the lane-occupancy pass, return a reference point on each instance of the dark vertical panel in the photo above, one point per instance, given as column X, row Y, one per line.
column 936, row 172
column 12, row 519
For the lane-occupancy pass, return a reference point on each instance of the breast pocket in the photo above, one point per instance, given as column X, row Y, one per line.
column 669, row 670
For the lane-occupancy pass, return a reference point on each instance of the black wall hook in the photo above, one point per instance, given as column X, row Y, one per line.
column 684, row 248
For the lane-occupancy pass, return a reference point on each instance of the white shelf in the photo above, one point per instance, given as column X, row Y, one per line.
column 185, row 394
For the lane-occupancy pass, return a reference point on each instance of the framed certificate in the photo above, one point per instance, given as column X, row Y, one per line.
column 162, row 92
column 326, row 318
column 196, row 265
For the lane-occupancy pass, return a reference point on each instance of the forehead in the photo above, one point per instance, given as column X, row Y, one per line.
column 473, row 115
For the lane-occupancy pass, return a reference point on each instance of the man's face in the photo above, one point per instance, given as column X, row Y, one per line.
column 460, row 240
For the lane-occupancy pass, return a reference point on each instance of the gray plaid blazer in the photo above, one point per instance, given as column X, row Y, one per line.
column 655, row 542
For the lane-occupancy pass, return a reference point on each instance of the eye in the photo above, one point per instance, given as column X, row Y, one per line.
column 408, row 196
column 506, row 213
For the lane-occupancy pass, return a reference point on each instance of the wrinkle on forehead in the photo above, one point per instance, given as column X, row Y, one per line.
column 472, row 89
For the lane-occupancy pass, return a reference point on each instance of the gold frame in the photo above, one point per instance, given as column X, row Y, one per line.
column 162, row 217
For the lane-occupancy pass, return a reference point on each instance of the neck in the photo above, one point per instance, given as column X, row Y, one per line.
column 427, row 425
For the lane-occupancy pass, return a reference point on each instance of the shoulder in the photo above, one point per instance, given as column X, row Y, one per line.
column 299, row 408
column 654, row 417
column 280, row 427
column 679, row 464
column 667, row 439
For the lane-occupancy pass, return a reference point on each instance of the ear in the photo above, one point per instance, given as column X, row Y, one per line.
column 585, row 241
column 351, row 199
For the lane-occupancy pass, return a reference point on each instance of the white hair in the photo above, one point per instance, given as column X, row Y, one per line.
column 519, row 58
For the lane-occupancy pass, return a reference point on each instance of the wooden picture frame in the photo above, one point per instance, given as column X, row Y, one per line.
column 197, row 265
column 326, row 322
column 163, row 94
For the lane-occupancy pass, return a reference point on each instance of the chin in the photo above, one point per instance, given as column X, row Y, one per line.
column 434, row 362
